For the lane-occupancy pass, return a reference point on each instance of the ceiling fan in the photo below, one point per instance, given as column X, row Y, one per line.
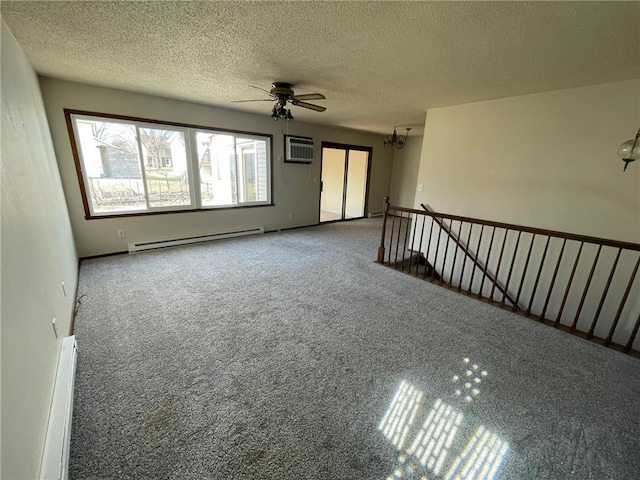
column 281, row 93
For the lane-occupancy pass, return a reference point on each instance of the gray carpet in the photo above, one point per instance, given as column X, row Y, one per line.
column 280, row 357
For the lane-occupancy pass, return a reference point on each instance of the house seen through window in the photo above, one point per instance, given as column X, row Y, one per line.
column 128, row 166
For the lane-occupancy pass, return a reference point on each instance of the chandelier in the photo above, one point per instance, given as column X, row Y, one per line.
column 396, row 141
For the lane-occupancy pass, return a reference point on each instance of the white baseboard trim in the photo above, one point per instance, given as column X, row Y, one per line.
column 55, row 458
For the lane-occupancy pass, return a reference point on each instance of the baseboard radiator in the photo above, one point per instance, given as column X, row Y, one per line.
column 140, row 246
column 55, row 458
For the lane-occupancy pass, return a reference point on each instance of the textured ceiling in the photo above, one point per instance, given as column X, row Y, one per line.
column 378, row 63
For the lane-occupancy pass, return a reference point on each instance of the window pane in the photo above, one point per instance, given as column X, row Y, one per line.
column 217, row 169
column 109, row 154
column 356, row 183
column 165, row 167
column 252, row 170
column 333, row 166
column 133, row 166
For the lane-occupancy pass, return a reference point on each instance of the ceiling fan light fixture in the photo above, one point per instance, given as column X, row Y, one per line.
column 283, row 93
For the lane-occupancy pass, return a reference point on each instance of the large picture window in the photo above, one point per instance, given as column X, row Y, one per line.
column 130, row 166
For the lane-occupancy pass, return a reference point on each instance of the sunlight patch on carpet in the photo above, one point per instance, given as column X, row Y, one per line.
column 434, row 439
column 480, row 459
column 396, row 423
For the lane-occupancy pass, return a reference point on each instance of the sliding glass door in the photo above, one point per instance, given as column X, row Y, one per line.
column 345, row 171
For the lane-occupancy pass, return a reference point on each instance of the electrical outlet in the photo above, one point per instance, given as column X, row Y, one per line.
column 420, row 187
column 55, row 328
column 64, row 290
column 121, row 233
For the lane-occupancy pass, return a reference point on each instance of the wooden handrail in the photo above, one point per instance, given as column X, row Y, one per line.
column 510, row 226
column 536, row 277
column 470, row 256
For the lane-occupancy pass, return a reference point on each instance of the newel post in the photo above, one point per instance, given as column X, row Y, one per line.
column 384, row 230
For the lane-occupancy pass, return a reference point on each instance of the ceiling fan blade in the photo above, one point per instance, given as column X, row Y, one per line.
column 261, row 89
column 310, row 96
column 310, row 106
column 256, row 100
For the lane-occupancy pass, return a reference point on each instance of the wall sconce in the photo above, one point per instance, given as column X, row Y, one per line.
column 396, row 141
column 629, row 151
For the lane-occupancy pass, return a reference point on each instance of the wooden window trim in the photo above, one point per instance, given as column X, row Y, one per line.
column 78, row 164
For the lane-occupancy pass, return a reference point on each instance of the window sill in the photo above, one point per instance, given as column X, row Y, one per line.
column 166, row 212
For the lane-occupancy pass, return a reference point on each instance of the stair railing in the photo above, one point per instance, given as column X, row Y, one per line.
column 471, row 257
column 579, row 284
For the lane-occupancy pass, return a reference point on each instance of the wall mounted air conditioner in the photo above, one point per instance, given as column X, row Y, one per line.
column 298, row 149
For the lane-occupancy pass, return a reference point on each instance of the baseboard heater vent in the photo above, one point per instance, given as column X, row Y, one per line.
column 55, row 458
column 140, row 246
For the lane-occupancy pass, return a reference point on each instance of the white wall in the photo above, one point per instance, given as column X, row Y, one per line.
column 296, row 189
column 406, row 163
column 37, row 255
column 546, row 160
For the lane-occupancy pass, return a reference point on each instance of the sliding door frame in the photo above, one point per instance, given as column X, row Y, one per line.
column 346, row 147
